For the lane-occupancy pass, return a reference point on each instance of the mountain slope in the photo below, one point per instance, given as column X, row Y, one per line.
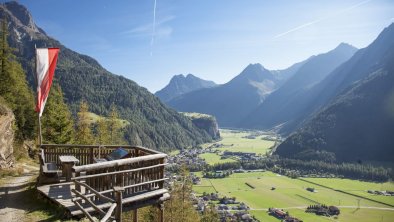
column 81, row 77
column 358, row 122
column 275, row 110
column 232, row 101
column 180, row 84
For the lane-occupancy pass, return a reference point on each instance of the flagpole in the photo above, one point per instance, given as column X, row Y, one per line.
column 38, row 113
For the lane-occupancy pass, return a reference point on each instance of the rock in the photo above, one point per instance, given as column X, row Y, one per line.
column 7, row 119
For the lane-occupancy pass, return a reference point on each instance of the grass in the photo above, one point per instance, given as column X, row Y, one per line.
column 93, row 118
column 233, row 141
column 213, row 158
column 357, row 187
column 289, row 193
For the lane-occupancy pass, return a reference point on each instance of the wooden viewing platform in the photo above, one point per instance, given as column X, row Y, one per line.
column 104, row 188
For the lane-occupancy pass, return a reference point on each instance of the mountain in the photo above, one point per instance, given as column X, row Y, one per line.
column 180, row 84
column 232, row 101
column 152, row 123
column 286, row 104
column 355, row 121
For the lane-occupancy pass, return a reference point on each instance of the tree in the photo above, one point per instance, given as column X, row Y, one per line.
column 57, row 122
column 14, row 89
column 210, row 214
column 102, row 135
column 84, row 133
column 114, row 127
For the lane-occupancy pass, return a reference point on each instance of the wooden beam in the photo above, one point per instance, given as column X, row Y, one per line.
column 89, row 201
column 116, row 163
column 84, row 212
column 117, row 172
column 135, row 215
column 94, row 191
column 118, row 197
column 109, row 213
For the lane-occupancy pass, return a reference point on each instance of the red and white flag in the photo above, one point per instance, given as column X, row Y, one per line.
column 46, row 59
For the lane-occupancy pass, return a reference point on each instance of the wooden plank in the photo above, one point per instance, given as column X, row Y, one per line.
column 144, row 196
column 116, row 163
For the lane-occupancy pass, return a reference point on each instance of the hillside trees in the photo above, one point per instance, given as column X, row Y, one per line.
column 84, row 132
column 14, row 89
column 57, row 122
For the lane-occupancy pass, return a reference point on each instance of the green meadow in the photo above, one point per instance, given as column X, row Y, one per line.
column 291, row 194
column 234, row 141
column 213, row 158
column 357, row 187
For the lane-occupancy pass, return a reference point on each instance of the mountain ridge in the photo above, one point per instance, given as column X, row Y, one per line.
column 180, row 84
column 81, row 77
column 354, row 114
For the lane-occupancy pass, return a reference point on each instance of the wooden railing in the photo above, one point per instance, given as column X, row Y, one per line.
column 79, row 198
column 86, row 153
column 135, row 179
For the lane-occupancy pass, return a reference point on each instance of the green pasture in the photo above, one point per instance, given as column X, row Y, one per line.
column 213, row 158
column 233, row 141
column 289, row 193
column 357, row 187
column 93, row 118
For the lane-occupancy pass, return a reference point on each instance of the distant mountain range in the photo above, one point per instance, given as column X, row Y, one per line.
column 152, row 123
column 180, row 84
column 232, row 101
column 242, row 101
column 285, row 107
column 352, row 109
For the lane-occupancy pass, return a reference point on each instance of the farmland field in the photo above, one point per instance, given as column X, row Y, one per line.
column 357, row 187
column 235, row 142
column 213, row 158
column 292, row 194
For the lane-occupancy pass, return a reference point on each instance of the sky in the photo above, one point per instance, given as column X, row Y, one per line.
column 149, row 41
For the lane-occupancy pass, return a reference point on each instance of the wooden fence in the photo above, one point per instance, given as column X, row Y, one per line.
column 136, row 179
column 86, row 153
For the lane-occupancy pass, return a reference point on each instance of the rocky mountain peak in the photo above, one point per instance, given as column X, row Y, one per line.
column 20, row 13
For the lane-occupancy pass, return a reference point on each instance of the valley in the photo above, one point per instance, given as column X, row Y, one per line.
column 262, row 189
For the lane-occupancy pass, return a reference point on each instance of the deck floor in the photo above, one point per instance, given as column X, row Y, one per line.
column 61, row 194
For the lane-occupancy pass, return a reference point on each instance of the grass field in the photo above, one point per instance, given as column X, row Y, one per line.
column 213, row 158
column 94, row 117
column 290, row 193
column 234, row 142
column 357, row 187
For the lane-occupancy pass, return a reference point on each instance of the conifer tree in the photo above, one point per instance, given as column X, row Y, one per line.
column 114, row 127
column 102, row 136
column 57, row 122
column 14, row 89
column 84, row 132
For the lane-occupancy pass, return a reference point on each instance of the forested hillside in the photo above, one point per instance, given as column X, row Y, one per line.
column 81, row 78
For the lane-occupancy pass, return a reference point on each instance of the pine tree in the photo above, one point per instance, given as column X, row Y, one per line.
column 14, row 89
column 114, row 127
column 57, row 122
column 102, row 136
column 84, row 132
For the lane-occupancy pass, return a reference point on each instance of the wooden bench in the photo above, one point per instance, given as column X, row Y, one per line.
column 48, row 171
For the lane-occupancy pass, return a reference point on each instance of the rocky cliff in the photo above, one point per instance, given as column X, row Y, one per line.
column 205, row 122
column 6, row 137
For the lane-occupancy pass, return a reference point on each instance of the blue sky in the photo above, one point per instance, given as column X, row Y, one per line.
column 213, row 39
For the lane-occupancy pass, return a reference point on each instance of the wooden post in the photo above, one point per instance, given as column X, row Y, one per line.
column 135, row 215
column 161, row 212
column 77, row 186
column 91, row 155
column 118, row 198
